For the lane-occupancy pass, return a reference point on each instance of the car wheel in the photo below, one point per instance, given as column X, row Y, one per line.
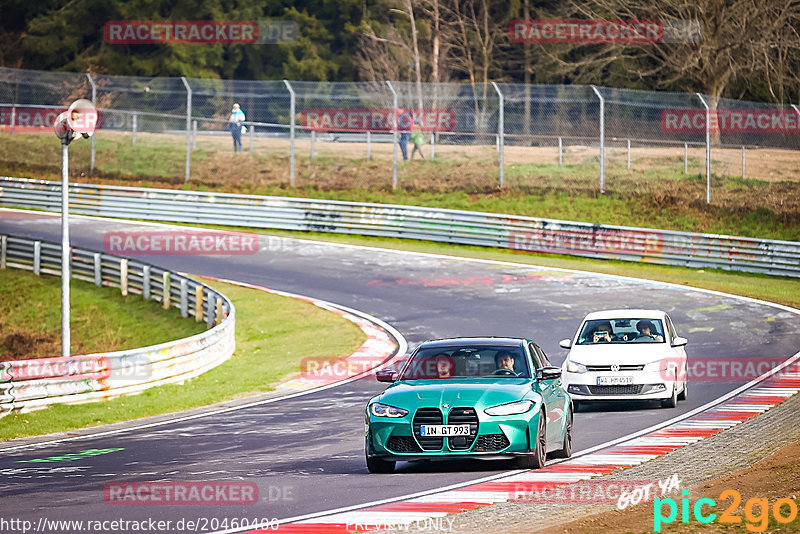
column 566, row 445
column 682, row 394
column 378, row 465
column 536, row 459
column 672, row 401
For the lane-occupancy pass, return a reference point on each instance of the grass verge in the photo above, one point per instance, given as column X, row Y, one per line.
column 273, row 335
column 102, row 320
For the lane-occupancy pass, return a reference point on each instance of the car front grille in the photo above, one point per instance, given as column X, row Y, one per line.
column 616, row 390
column 463, row 416
column 428, row 416
column 491, row 442
column 403, row 444
column 621, row 367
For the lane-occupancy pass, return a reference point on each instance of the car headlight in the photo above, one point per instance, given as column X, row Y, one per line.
column 384, row 410
column 657, row 365
column 575, row 367
column 512, row 408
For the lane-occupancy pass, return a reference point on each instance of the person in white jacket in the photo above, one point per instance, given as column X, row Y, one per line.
column 236, row 126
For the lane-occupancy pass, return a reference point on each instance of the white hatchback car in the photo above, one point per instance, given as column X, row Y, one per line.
column 626, row 355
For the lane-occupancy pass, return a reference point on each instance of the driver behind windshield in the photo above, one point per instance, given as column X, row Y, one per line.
column 505, row 363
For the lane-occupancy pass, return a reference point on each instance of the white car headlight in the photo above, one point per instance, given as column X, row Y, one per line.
column 654, row 366
column 575, row 367
column 384, row 410
column 512, row 408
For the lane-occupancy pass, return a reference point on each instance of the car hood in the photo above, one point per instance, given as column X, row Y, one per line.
column 622, row 354
column 480, row 394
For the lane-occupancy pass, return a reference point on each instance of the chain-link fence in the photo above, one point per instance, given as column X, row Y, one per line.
column 495, row 134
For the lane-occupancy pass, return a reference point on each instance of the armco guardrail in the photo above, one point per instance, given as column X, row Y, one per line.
column 35, row 383
column 431, row 224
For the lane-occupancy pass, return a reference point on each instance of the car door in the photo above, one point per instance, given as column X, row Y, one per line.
column 554, row 398
column 679, row 353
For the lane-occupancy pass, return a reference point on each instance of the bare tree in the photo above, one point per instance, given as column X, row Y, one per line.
column 755, row 41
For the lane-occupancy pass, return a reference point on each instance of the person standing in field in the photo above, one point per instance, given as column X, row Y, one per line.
column 235, row 123
column 404, row 125
column 418, row 138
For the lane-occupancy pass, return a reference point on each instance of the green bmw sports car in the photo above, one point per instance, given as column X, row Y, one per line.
column 470, row 398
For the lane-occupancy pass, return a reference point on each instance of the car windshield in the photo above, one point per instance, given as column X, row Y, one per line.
column 629, row 330
column 466, row 362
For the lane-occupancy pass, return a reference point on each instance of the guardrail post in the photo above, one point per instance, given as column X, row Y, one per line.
column 369, row 146
column 194, row 134
column 166, row 290
column 123, row 276
column 94, row 101
column 394, row 135
column 198, row 303
column 210, row 302
column 133, row 129
column 560, row 157
column 37, row 257
column 218, row 311
column 743, row 163
column 3, row 251
column 146, row 282
column 501, row 140
column 313, row 139
column 184, row 299
column 98, row 269
column 708, row 148
column 602, row 139
column 291, row 130
column 188, row 128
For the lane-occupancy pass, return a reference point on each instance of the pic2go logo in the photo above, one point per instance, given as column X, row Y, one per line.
column 756, row 511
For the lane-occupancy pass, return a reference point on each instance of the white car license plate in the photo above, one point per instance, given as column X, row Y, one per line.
column 614, row 380
column 444, row 430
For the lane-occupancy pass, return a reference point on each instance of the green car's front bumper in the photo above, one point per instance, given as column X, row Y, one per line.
column 399, row 438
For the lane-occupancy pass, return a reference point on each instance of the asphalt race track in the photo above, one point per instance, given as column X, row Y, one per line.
column 306, row 453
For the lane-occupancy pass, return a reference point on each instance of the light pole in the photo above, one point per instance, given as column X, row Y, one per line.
column 78, row 121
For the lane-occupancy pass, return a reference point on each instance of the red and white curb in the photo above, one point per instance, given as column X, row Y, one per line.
column 743, row 404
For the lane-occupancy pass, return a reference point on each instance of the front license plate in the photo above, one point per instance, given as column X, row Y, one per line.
column 444, row 430
column 614, row 380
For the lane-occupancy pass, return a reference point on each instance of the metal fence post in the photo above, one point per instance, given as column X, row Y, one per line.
column 188, row 128
column 94, row 101
column 560, row 153
column 291, row 131
column 501, row 133
column 433, row 146
column 184, row 299
column 65, row 254
column 394, row 135
column 369, row 146
column 123, row 277
column 3, row 251
column 629, row 153
column 194, row 135
column 37, row 257
column 685, row 158
column 602, row 139
column 252, row 132
column 708, row 147
column 13, row 118
column 743, row 163
column 313, row 139
column 133, row 129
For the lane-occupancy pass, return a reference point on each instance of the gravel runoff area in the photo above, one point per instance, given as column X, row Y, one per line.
column 721, row 454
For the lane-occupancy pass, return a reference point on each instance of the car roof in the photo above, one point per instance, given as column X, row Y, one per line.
column 626, row 313
column 473, row 341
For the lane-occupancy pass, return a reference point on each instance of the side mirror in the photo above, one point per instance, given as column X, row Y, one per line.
column 679, row 342
column 565, row 343
column 386, row 375
column 548, row 373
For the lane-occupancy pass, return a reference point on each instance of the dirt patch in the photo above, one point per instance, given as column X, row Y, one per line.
column 25, row 344
column 775, row 477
